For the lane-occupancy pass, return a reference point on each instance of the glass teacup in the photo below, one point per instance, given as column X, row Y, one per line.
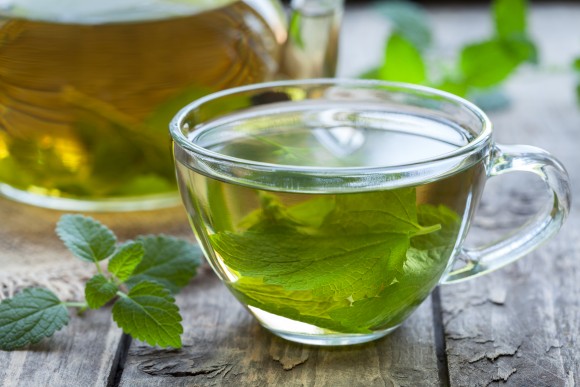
column 332, row 208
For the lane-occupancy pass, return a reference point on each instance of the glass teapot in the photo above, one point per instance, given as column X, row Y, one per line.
column 87, row 88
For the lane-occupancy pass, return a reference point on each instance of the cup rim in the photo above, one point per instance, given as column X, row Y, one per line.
column 477, row 143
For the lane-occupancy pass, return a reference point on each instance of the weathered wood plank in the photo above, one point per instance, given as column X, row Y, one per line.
column 224, row 345
column 85, row 353
column 520, row 324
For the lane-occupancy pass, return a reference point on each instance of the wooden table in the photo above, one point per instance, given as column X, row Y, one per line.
column 519, row 326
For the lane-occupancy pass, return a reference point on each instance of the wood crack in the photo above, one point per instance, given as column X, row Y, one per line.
column 119, row 361
column 178, row 369
column 439, row 336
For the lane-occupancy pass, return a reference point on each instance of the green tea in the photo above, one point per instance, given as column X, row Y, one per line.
column 335, row 261
column 87, row 92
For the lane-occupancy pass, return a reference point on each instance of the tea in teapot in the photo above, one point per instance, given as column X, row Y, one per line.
column 87, row 89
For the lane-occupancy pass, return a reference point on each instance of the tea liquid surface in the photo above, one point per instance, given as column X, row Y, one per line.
column 331, row 262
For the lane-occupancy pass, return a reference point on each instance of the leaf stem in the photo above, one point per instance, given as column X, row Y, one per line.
column 428, row 230
column 99, row 269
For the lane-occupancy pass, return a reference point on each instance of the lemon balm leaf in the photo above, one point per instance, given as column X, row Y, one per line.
column 510, row 17
column 349, row 247
column 126, row 259
column 148, row 313
column 345, row 262
column 295, row 29
column 576, row 66
column 168, row 261
column 86, row 238
column 99, row 290
column 410, row 20
column 488, row 63
column 329, row 265
column 403, row 61
column 29, row 317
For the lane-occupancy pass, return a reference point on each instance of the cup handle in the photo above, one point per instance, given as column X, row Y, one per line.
column 520, row 158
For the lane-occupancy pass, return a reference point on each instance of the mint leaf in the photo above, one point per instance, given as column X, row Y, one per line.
column 148, row 313
column 409, row 20
column 403, row 61
column 293, row 304
column 365, row 261
column 373, row 73
column 305, row 217
column 29, row 317
column 322, row 255
column 354, row 267
column 576, row 66
column 426, row 261
column 169, row 261
column 488, row 63
column 99, row 290
column 126, row 259
column 388, row 309
column 86, row 238
column 375, row 212
column 453, row 86
column 446, row 218
column 295, row 29
column 510, row 17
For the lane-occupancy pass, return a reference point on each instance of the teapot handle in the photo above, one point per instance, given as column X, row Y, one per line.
column 311, row 50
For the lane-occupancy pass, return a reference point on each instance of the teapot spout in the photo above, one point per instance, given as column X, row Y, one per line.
column 311, row 50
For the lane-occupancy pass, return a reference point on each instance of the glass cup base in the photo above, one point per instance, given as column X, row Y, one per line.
column 303, row 333
column 335, row 339
column 125, row 204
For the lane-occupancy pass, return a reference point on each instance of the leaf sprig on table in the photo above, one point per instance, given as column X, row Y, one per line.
column 480, row 67
column 141, row 279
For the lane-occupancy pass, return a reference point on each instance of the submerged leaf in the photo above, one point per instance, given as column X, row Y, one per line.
column 342, row 262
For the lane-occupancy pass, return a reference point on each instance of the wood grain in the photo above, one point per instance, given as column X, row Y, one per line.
column 520, row 324
column 85, row 353
column 224, row 345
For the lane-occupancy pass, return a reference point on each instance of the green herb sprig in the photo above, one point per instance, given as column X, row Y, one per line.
column 141, row 279
column 576, row 66
column 480, row 67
